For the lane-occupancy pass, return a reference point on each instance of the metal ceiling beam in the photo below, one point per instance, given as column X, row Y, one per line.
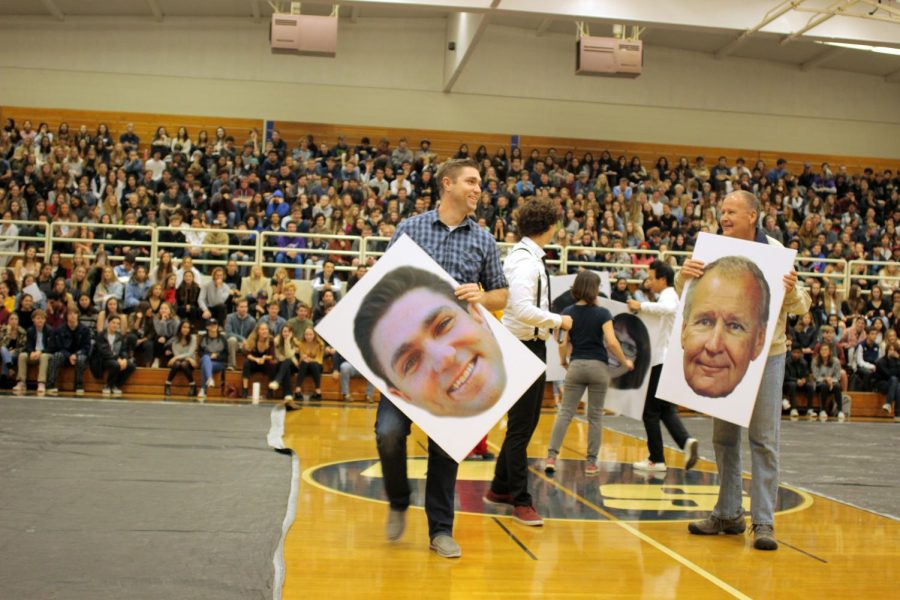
column 53, row 9
column 543, row 26
column 354, row 14
column 254, row 10
column 832, row 11
column 156, row 10
column 820, row 59
column 770, row 17
column 464, row 31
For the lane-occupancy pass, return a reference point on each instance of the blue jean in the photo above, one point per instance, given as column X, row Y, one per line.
column 764, row 431
column 208, row 367
column 391, row 430
column 282, row 257
column 348, row 371
column 7, row 358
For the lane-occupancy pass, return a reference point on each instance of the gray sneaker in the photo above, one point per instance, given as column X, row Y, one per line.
column 396, row 524
column 764, row 537
column 445, row 546
column 713, row 525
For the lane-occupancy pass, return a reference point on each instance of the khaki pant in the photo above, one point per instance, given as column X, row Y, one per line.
column 43, row 362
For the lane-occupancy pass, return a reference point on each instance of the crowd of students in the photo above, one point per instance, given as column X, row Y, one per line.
column 217, row 193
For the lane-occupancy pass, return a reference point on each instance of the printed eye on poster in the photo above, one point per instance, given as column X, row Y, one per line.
column 724, row 327
column 451, row 367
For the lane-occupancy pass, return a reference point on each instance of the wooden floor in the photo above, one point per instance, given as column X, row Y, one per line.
column 616, row 535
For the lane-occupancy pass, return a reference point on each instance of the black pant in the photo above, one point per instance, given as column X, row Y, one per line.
column 313, row 369
column 116, row 377
column 511, row 471
column 837, row 398
column 656, row 410
column 181, row 365
column 791, row 388
column 286, row 369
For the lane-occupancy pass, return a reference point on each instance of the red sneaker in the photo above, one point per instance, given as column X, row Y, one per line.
column 526, row 515
column 492, row 497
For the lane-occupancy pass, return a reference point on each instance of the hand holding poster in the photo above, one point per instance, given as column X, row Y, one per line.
column 724, row 327
column 449, row 365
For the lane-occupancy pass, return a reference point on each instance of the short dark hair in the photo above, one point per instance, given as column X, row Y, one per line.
column 586, row 287
column 537, row 216
column 663, row 270
column 382, row 296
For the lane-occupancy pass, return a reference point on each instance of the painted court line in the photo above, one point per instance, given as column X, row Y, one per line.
column 514, row 538
column 641, row 536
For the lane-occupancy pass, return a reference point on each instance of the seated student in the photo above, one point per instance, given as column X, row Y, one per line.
column 12, row 341
column 56, row 311
column 212, row 353
column 238, row 327
column 87, row 314
column 290, row 249
column 797, row 377
column 255, row 283
column 272, row 319
column 165, row 326
column 111, row 307
column 326, row 279
column 170, row 289
column 186, row 299
column 186, row 266
column 36, row 351
column 277, row 284
column 325, row 304
column 71, row 345
column 887, row 378
column 288, row 305
column 343, row 370
column 827, row 374
column 137, row 288
column 138, row 333
column 26, row 310
column 259, row 350
column 866, row 355
column 804, row 336
column 312, row 356
column 829, row 336
column 109, row 287
column 287, row 358
column 110, row 357
column 300, row 321
column 183, row 357
column 214, row 296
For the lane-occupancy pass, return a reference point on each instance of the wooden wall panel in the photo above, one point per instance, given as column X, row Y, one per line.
column 145, row 124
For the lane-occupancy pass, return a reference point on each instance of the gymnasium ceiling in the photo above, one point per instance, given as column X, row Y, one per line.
column 796, row 32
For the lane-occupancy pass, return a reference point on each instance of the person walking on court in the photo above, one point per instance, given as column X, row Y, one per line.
column 592, row 333
column 661, row 281
column 738, row 220
column 527, row 316
column 469, row 254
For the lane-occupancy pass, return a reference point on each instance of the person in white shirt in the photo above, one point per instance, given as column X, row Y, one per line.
column 527, row 316
column 661, row 279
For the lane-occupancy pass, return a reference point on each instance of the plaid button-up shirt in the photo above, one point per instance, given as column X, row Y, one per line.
column 468, row 253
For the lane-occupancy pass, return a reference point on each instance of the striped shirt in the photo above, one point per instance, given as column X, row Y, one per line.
column 468, row 253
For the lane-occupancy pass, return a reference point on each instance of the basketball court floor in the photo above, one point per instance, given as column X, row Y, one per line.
column 108, row 499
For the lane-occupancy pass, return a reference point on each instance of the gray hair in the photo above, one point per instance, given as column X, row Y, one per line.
column 732, row 266
column 749, row 199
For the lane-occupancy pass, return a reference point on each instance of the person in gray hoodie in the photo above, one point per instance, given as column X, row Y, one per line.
column 212, row 351
column 238, row 326
column 165, row 326
column 213, row 296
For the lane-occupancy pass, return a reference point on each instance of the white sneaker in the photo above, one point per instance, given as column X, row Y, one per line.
column 116, row 391
column 107, row 391
column 274, row 385
column 885, row 407
column 210, row 382
column 649, row 465
column 811, row 414
column 785, row 404
column 288, row 397
column 795, row 414
column 79, row 392
column 20, row 387
column 201, row 395
column 841, row 416
column 823, row 416
column 154, row 364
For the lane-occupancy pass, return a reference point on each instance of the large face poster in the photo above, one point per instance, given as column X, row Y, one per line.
column 451, row 367
column 724, row 327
